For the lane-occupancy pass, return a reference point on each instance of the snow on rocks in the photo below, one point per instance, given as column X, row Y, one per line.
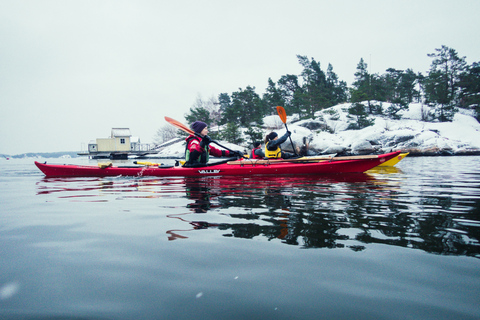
column 328, row 133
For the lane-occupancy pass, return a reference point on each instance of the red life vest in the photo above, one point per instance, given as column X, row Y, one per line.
column 254, row 156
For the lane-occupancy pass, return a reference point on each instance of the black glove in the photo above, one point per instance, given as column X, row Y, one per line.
column 205, row 141
column 289, row 133
column 238, row 154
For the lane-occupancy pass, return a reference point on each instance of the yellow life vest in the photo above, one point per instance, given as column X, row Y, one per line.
column 277, row 153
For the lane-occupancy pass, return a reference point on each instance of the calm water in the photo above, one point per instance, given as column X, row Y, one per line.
column 393, row 244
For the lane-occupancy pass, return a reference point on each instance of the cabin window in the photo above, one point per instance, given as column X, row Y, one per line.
column 122, row 141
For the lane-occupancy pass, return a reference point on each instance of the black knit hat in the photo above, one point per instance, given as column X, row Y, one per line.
column 272, row 135
column 198, row 126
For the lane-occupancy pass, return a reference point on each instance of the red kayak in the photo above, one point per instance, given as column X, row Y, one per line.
column 306, row 165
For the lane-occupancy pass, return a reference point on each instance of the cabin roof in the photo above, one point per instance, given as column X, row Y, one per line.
column 121, row 132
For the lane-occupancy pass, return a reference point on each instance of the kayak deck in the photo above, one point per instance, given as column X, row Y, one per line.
column 243, row 167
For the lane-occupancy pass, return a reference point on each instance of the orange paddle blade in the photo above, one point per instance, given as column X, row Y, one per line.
column 179, row 125
column 282, row 114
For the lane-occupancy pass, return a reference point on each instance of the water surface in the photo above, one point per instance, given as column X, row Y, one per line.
column 396, row 243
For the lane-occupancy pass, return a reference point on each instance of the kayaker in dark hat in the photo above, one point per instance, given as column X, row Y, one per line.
column 257, row 152
column 198, row 149
column 272, row 146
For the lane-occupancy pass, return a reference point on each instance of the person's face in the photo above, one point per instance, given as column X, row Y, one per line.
column 204, row 131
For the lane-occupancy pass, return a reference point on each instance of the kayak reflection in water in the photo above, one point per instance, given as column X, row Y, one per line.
column 200, row 192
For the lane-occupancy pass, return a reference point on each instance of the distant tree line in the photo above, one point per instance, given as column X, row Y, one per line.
column 450, row 84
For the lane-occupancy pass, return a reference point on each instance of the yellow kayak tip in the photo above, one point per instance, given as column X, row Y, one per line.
column 394, row 161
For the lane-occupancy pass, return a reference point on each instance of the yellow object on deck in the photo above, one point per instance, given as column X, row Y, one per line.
column 103, row 165
column 146, row 163
column 393, row 161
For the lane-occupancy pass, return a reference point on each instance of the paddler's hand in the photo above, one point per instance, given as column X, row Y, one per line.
column 205, row 141
column 238, row 154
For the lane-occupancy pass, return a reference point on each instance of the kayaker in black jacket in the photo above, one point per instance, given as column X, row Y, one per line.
column 272, row 146
column 257, row 152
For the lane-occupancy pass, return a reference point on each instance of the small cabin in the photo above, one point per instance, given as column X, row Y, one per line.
column 119, row 145
column 119, row 141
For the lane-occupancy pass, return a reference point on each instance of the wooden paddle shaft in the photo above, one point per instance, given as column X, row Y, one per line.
column 303, row 159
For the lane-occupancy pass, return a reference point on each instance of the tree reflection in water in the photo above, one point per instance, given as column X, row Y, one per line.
column 335, row 212
column 338, row 211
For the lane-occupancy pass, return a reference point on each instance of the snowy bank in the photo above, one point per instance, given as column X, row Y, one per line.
column 328, row 133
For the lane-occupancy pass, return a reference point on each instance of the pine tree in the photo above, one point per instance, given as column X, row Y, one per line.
column 255, row 133
column 337, row 90
column 442, row 83
column 272, row 96
column 357, row 109
column 291, row 93
column 248, row 107
column 198, row 113
column 228, row 113
column 361, row 86
column 315, row 92
column 469, row 85
column 231, row 133
column 400, row 89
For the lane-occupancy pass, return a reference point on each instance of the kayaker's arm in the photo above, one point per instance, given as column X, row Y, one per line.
column 259, row 153
column 219, row 153
column 273, row 144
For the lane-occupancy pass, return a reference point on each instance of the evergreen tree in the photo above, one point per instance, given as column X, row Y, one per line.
column 361, row 86
column 357, row 110
column 367, row 87
column 442, row 82
column 291, row 93
column 231, row 133
column 198, row 113
column 228, row 113
column 406, row 87
column 247, row 107
column 400, row 89
column 469, row 85
column 315, row 94
column 336, row 89
column 255, row 133
column 272, row 96
column 377, row 92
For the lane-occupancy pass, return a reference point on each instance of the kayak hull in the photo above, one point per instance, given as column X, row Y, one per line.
column 249, row 168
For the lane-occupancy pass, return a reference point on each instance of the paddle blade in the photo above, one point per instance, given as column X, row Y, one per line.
column 179, row 125
column 282, row 114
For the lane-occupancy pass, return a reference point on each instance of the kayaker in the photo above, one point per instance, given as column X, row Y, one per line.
column 272, row 146
column 198, row 149
column 257, row 152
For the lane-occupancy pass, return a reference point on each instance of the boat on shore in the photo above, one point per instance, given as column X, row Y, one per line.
column 305, row 165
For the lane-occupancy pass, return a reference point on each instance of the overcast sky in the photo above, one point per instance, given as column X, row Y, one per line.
column 72, row 70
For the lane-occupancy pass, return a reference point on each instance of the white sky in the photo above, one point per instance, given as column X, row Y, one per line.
column 72, row 70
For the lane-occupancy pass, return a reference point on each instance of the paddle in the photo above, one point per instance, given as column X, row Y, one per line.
column 283, row 116
column 183, row 127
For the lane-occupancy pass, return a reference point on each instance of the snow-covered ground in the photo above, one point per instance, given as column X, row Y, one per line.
column 327, row 133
